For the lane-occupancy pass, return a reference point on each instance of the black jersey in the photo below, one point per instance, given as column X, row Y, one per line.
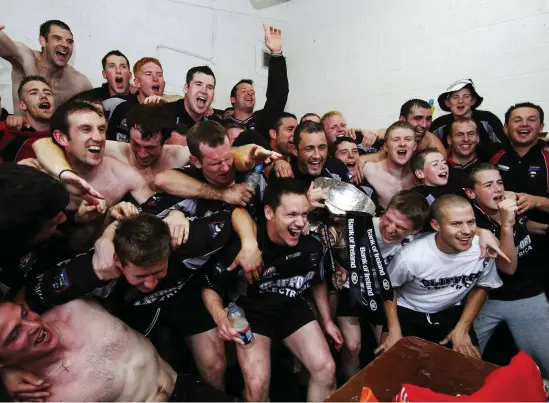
column 333, row 168
column 525, row 283
column 76, row 277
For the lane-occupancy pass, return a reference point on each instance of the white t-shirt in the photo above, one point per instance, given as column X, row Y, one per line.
column 429, row 281
column 388, row 250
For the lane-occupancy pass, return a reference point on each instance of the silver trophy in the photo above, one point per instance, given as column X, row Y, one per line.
column 342, row 197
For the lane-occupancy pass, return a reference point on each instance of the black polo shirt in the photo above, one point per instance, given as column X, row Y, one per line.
column 525, row 282
column 527, row 174
column 181, row 116
column 459, row 173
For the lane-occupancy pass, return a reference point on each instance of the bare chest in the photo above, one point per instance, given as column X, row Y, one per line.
column 387, row 185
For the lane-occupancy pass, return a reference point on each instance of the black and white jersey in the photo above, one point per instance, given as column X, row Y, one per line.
column 429, row 281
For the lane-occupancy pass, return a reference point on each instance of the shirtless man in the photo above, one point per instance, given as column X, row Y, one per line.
column 108, row 361
column 393, row 173
column 80, row 129
column 51, row 62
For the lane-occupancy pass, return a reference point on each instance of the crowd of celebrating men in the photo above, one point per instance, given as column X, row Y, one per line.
column 128, row 223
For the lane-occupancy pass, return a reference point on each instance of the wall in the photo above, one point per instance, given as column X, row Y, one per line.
column 229, row 32
column 366, row 58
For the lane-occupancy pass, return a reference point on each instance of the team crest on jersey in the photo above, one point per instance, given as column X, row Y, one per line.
column 26, row 262
column 61, row 282
column 271, row 271
column 533, row 171
column 373, row 305
column 215, row 228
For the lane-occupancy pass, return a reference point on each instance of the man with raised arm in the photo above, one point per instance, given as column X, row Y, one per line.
column 243, row 93
column 51, row 62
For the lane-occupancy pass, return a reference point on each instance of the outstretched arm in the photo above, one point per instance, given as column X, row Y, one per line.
column 11, row 51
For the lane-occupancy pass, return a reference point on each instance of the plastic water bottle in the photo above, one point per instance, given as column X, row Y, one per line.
column 240, row 324
column 253, row 178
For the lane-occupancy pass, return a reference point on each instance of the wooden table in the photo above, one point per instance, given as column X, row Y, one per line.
column 418, row 362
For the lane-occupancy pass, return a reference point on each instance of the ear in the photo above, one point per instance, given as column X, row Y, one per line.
column 419, row 174
column 446, row 103
column 415, row 145
column 42, row 41
column 104, row 75
column 136, row 82
column 292, row 148
column 22, row 106
column 272, row 133
column 473, row 101
column 541, row 127
column 60, row 138
column 385, row 147
column 470, row 193
column 195, row 161
column 449, row 140
column 233, row 100
column 401, row 118
column 185, row 88
column 435, row 225
column 269, row 213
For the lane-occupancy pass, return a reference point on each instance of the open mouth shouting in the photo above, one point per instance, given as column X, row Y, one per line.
column 201, row 102
column 402, row 153
column 95, row 151
column 295, row 233
column 45, row 105
column 315, row 166
column 62, row 54
column 156, row 89
column 43, row 337
column 524, row 132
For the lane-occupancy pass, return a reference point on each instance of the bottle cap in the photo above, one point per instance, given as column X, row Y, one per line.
column 232, row 307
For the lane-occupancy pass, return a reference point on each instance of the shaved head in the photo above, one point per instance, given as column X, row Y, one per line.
column 444, row 203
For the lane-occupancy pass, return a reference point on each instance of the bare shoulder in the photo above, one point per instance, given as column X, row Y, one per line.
column 124, row 173
column 176, row 156
column 371, row 167
column 77, row 79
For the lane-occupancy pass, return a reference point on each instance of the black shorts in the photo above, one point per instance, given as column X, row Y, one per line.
column 187, row 316
column 344, row 309
column 291, row 317
column 188, row 389
column 433, row 327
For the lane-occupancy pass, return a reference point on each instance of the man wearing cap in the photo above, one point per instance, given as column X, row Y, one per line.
column 462, row 100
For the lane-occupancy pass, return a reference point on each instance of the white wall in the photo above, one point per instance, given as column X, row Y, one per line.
column 228, row 31
column 367, row 57
column 363, row 57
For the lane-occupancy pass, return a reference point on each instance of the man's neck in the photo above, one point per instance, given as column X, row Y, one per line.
column 140, row 97
column 38, row 125
column 50, row 68
column 522, row 150
column 195, row 116
column 83, row 170
column 396, row 170
column 273, row 235
column 462, row 160
column 243, row 114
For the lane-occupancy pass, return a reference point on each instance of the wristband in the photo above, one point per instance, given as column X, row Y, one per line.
column 65, row 170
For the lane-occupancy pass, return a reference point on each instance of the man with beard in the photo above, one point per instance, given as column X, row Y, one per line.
column 243, row 93
column 393, row 173
column 149, row 81
column 116, row 70
column 37, row 105
column 462, row 100
column 51, row 62
column 440, row 281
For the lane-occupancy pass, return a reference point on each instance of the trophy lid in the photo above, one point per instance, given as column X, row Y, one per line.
column 342, row 197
